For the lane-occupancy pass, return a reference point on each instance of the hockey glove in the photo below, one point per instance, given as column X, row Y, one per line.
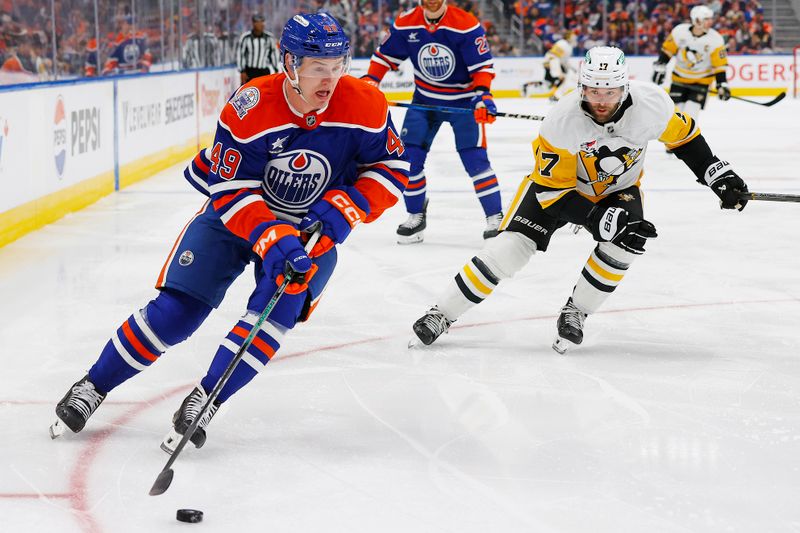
column 372, row 80
column 281, row 251
column 726, row 184
column 724, row 92
column 484, row 108
column 339, row 211
column 614, row 224
column 659, row 72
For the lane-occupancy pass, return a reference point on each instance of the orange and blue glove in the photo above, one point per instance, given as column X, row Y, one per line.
column 339, row 211
column 483, row 107
column 278, row 244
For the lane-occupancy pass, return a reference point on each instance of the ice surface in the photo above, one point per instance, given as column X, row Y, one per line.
column 680, row 412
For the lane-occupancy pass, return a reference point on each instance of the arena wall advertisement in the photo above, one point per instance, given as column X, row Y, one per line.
column 760, row 75
column 65, row 145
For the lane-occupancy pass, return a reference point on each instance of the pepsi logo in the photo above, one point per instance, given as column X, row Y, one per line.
column 436, row 61
column 295, row 179
column 60, row 137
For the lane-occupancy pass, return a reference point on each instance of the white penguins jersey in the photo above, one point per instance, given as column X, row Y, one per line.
column 556, row 60
column 573, row 152
column 697, row 59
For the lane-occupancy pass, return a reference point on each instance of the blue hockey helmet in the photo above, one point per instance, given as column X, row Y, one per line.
column 314, row 35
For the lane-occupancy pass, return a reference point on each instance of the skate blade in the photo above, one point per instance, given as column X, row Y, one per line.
column 410, row 239
column 171, row 441
column 561, row 346
column 415, row 343
column 57, row 429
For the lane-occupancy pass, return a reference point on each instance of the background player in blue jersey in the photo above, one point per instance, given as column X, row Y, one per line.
column 309, row 146
column 452, row 67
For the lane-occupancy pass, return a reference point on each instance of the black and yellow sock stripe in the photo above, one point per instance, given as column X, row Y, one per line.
column 476, row 281
column 603, row 272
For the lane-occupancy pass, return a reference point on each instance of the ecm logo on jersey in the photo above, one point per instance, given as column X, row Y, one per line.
column 60, row 137
column 436, row 61
column 295, row 179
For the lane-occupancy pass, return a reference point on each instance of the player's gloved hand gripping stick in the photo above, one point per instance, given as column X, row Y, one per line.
column 164, row 478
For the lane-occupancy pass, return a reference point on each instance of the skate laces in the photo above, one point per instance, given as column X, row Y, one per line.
column 572, row 315
column 436, row 322
column 413, row 220
column 493, row 221
column 84, row 398
column 194, row 404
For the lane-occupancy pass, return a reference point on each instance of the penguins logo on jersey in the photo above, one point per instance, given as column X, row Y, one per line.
column 295, row 179
column 436, row 61
column 605, row 166
column 691, row 57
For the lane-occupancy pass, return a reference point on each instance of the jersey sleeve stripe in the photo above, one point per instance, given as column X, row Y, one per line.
column 235, row 207
column 389, row 61
column 194, row 180
column 202, row 163
column 234, row 186
column 387, row 180
column 485, row 64
column 548, row 198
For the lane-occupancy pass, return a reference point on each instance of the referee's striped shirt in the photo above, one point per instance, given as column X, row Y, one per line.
column 257, row 52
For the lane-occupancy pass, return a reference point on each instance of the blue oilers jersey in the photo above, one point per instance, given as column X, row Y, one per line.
column 269, row 161
column 450, row 58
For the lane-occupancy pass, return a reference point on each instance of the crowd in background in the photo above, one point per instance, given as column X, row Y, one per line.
column 198, row 33
column 641, row 26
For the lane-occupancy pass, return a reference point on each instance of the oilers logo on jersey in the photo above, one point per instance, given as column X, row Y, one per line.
column 295, row 180
column 436, row 61
column 245, row 100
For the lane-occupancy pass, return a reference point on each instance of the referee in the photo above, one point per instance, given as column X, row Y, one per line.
column 257, row 52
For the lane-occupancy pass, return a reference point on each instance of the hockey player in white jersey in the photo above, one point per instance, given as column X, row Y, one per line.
column 557, row 71
column 700, row 59
column 589, row 159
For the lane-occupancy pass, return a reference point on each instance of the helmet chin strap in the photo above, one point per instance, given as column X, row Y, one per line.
column 295, row 83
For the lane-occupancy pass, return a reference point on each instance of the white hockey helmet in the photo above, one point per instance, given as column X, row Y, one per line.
column 700, row 13
column 604, row 67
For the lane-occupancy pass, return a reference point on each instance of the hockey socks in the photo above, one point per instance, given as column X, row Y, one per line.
column 167, row 320
column 601, row 275
column 265, row 344
column 488, row 192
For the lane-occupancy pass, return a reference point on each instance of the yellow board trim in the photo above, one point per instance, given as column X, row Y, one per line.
column 30, row 216
column 603, row 272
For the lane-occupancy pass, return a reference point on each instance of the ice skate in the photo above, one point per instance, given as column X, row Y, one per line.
column 430, row 327
column 492, row 225
column 570, row 328
column 75, row 408
column 412, row 230
column 183, row 418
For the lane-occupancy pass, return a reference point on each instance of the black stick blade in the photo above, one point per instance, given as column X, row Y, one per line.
column 162, row 483
column 776, row 100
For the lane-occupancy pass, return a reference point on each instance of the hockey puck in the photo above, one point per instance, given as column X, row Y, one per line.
column 192, row 516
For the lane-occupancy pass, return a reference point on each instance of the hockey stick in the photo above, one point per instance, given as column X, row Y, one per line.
column 445, row 109
column 769, row 196
column 770, row 103
column 164, row 479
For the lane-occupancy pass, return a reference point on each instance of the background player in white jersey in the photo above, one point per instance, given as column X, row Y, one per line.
column 309, row 146
column 589, row 159
column 700, row 59
column 557, row 71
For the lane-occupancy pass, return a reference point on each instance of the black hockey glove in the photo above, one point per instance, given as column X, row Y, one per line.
column 723, row 92
column 726, row 184
column 659, row 72
column 614, row 224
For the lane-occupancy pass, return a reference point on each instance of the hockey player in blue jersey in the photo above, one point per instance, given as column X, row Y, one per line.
column 452, row 67
column 294, row 150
